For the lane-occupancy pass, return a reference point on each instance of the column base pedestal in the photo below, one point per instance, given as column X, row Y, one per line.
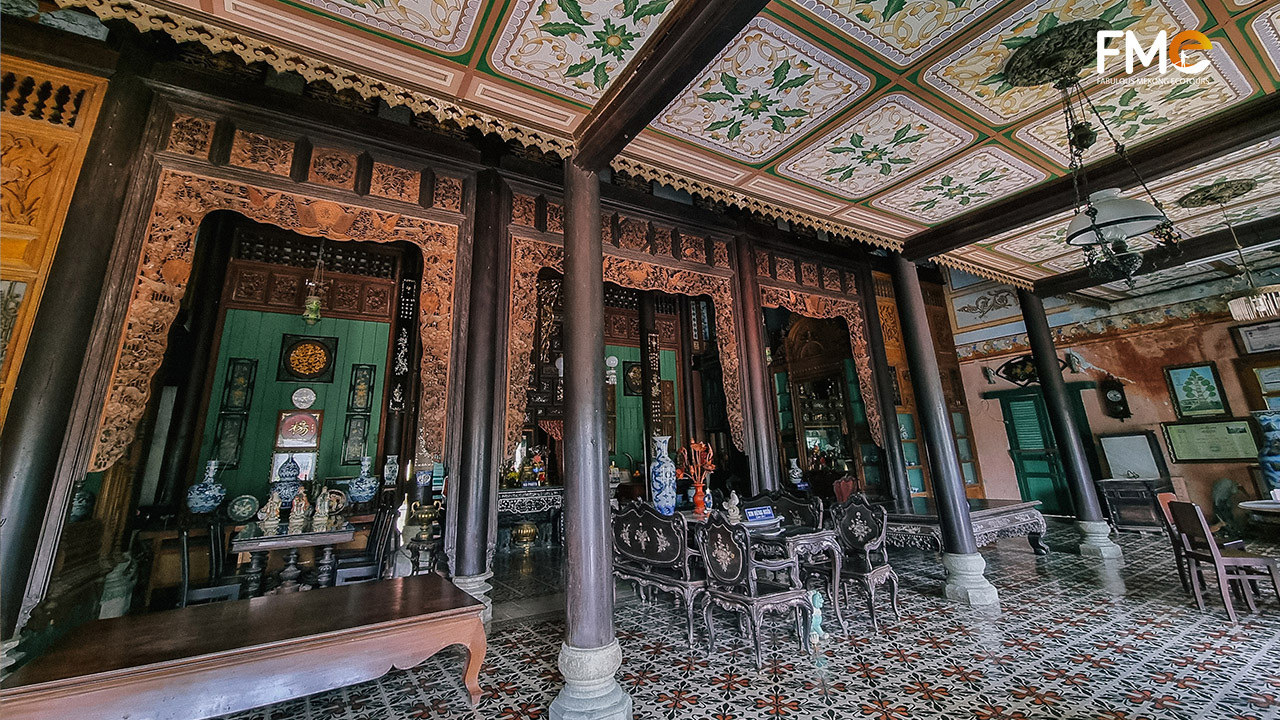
column 590, row 690
column 1096, row 540
column 965, row 581
column 478, row 587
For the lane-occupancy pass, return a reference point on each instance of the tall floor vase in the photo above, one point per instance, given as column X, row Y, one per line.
column 662, row 476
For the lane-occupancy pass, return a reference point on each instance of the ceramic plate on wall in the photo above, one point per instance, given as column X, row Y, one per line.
column 243, row 508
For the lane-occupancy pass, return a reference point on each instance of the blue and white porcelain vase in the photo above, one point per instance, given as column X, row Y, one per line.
column 287, row 483
column 206, row 495
column 363, row 487
column 796, row 475
column 1269, row 454
column 662, row 476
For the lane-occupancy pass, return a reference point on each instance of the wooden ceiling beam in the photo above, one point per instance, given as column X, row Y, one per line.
column 686, row 41
column 1197, row 248
column 1212, row 137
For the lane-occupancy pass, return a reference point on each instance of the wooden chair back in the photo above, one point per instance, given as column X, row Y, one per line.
column 1193, row 529
column 1165, row 515
column 726, row 552
column 791, row 509
column 646, row 537
column 861, row 529
column 843, row 488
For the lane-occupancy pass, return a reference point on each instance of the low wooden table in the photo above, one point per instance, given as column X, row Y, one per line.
column 991, row 519
column 208, row 660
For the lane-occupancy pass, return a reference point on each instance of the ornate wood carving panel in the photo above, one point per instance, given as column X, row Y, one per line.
column 190, row 135
column 528, row 256
column 49, row 114
column 259, row 152
column 182, row 200
column 333, row 167
column 820, row 306
column 395, row 183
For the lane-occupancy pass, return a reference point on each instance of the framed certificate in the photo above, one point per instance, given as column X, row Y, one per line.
column 1229, row 440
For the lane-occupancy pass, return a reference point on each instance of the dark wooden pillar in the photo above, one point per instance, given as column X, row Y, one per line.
column 899, row 485
column 1084, row 496
column 650, row 373
column 473, row 489
column 688, row 391
column 590, row 654
column 965, row 580
column 762, row 440
column 46, row 391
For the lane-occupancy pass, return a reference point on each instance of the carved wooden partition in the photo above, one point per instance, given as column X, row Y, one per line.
column 183, row 197
column 49, row 114
column 822, row 292
column 637, row 255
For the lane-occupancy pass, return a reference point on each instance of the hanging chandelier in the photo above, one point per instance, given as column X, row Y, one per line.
column 1105, row 222
column 1256, row 303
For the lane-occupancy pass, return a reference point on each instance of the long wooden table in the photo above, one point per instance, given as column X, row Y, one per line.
column 208, row 660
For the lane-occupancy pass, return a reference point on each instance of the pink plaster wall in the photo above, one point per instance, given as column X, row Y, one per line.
column 1138, row 359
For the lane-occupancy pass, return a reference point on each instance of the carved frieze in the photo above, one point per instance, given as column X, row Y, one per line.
column 284, row 290
column 27, row 163
column 808, row 274
column 633, row 234
column 831, row 280
column 821, row 306
column 181, row 203
column 785, row 269
column 720, row 254
column 693, row 249
column 259, row 152
column 764, row 265
column 191, row 135
column 395, row 183
column 448, row 193
column 662, row 241
column 555, row 218
column 333, row 167
column 528, row 256
column 524, row 210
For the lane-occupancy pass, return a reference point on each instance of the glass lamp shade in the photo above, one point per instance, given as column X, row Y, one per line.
column 1119, row 218
column 1256, row 304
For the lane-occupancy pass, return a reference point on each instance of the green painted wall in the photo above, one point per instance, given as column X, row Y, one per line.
column 629, row 430
column 258, row 335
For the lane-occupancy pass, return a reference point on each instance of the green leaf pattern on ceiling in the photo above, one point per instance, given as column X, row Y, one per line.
column 575, row 47
column 960, row 185
column 900, row 31
column 762, row 93
column 893, row 138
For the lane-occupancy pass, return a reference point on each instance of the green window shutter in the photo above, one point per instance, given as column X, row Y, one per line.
column 1027, row 430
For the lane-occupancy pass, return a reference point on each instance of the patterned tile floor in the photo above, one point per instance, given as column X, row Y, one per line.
column 1073, row 638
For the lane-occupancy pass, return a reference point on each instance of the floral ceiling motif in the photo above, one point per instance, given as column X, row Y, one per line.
column 974, row 180
column 443, row 25
column 767, row 89
column 894, row 138
column 574, row 47
column 1267, row 27
column 973, row 76
column 1146, row 110
column 901, row 31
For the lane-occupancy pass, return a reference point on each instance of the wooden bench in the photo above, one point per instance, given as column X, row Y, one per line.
column 209, row 660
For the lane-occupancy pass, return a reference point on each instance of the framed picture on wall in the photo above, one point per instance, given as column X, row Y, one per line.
column 355, row 439
column 1257, row 338
column 1196, row 390
column 1230, row 440
column 360, row 394
column 1133, row 455
column 632, row 379
column 299, row 429
column 306, row 465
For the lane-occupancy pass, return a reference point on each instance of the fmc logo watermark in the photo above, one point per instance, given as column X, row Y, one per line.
column 1162, row 49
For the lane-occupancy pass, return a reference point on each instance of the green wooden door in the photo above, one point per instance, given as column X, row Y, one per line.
column 1034, row 452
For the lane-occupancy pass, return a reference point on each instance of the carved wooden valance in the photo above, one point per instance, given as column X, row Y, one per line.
column 816, row 305
column 528, row 256
column 181, row 203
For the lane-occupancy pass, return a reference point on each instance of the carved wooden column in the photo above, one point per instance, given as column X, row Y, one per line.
column 473, row 484
column 762, row 439
column 36, row 475
column 590, row 655
column 899, row 485
column 1094, row 530
column 965, row 581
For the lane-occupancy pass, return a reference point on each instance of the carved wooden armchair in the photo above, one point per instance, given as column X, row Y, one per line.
column 861, row 530
column 790, row 509
column 733, row 582
column 652, row 551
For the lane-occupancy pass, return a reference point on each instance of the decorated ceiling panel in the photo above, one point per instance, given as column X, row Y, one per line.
column 870, row 119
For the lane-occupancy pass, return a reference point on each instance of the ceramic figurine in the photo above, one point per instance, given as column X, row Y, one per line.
column 816, row 633
column 365, row 486
column 298, row 511
column 287, row 482
column 269, row 515
column 1269, row 455
column 206, row 495
column 731, row 508
column 662, row 476
column 81, row 505
column 320, row 518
